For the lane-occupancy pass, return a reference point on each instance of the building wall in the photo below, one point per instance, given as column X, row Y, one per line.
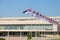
column 58, row 28
column 26, row 20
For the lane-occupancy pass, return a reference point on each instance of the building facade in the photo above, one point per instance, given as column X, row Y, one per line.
column 14, row 28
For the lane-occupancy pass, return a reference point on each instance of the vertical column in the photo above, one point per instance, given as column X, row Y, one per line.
column 8, row 36
column 35, row 33
column 20, row 35
column 20, row 38
column 31, row 30
column 44, row 30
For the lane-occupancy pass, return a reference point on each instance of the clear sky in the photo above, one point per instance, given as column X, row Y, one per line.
column 14, row 8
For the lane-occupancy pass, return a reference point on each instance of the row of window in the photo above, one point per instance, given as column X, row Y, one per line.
column 24, row 34
column 27, row 27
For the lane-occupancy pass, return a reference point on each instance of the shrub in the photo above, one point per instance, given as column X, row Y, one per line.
column 2, row 39
column 29, row 36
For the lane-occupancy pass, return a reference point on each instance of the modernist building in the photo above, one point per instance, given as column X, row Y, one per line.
column 20, row 26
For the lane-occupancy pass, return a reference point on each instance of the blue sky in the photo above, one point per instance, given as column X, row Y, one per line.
column 14, row 8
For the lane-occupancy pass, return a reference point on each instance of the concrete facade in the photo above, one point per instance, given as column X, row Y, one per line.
column 24, row 21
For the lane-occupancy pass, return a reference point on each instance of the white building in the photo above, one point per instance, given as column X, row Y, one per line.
column 20, row 26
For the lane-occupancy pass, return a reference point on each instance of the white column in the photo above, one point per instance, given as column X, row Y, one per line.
column 20, row 35
column 8, row 36
column 31, row 30
column 44, row 31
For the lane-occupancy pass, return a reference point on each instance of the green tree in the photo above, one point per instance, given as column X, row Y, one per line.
column 29, row 36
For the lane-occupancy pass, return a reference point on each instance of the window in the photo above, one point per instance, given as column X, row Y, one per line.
column 28, row 27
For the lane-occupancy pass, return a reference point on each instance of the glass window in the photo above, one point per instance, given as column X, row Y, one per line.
column 28, row 27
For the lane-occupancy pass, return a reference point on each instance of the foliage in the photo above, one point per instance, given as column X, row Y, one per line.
column 29, row 36
column 2, row 39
